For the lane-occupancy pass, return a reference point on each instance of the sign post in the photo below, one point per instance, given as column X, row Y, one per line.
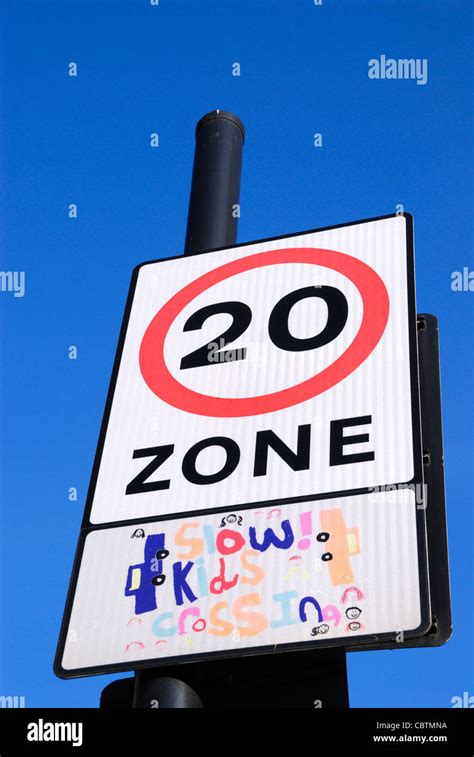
column 214, row 210
column 212, row 222
column 258, row 488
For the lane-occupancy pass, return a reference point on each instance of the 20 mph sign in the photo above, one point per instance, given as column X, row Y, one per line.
column 274, row 377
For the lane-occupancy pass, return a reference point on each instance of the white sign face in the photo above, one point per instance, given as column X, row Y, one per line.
column 255, row 479
column 309, row 572
column 269, row 371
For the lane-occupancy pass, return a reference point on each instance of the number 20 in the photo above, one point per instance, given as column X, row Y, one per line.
column 278, row 328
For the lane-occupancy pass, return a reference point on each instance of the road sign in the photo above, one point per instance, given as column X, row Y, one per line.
column 273, row 380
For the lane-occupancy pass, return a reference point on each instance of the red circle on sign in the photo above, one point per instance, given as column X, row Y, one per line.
column 375, row 315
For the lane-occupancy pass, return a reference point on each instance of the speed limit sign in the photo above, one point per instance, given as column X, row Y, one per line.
column 267, row 371
column 272, row 377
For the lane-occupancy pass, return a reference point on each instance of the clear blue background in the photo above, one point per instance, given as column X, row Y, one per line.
column 85, row 140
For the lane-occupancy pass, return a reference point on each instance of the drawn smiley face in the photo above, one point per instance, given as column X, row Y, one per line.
column 352, row 613
column 324, row 628
column 353, row 626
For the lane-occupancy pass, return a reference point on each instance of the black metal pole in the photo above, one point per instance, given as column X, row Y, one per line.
column 316, row 678
column 213, row 218
column 214, row 211
column 212, row 222
column 153, row 691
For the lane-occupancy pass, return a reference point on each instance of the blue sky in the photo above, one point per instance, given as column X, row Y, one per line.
column 85, row 140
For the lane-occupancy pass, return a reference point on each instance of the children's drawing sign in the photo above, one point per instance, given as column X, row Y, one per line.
column 258, row 478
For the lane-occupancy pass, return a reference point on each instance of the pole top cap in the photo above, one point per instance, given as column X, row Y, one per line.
column 216, row 114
